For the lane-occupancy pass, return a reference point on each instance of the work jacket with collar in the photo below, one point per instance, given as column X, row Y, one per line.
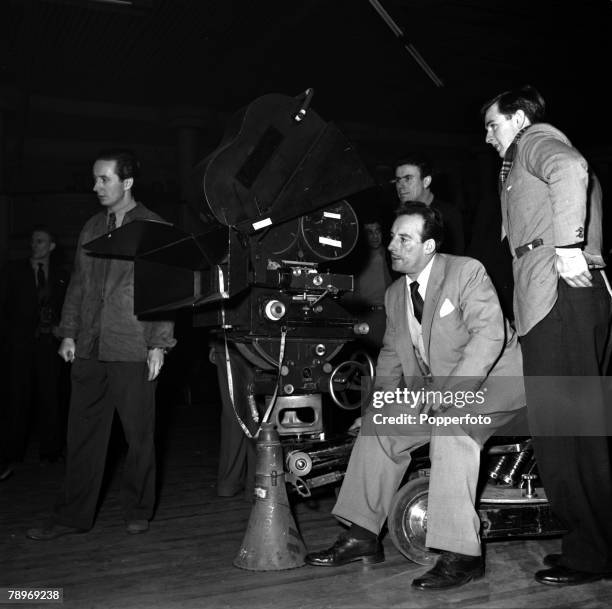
column 98, row 311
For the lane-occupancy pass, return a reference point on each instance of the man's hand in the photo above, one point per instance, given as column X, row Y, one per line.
column 573, row 267
column 155, row 361
column 67, row 350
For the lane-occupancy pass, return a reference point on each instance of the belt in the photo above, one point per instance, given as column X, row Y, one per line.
column 523, row 249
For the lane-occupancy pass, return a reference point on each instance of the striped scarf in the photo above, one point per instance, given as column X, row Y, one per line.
column 509, row 157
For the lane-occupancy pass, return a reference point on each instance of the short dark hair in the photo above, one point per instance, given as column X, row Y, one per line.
column 424, row 164
column 127, row 165
column 43, row 228
column 433, row 223
column 525, row 98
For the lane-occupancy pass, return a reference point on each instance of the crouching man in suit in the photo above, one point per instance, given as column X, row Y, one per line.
column 446, row 335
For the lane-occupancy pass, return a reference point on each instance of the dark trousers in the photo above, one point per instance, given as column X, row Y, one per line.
column 575, row 469
column 236, row 451
column 98, row 389
column 33, row 392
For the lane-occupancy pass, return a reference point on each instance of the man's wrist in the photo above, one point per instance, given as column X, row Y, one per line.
column 164, row 350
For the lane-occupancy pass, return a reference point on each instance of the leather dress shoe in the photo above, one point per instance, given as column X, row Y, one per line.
column 450, row 571
column 53, row 531
column 564, row 576
column 552, row 560
column 348, row 549
column 134, row 527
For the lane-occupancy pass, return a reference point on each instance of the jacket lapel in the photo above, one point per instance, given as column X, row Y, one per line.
column 432, row 296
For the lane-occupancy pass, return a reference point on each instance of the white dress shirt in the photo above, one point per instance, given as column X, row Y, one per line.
column 416, row 333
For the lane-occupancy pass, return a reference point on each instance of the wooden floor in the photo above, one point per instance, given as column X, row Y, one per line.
column 185, row 560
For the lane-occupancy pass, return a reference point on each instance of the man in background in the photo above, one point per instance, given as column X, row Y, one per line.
column 413, row 178
column 31, row 297
column 372, row 278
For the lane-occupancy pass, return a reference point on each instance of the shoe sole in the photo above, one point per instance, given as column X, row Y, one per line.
column 371, row 559
column 582, row 583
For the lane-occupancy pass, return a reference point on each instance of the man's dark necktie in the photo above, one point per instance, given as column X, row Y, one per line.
column 417, row 301
column 112, row 222
column 41, row 282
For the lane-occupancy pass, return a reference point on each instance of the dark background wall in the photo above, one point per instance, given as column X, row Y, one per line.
column 163, row 76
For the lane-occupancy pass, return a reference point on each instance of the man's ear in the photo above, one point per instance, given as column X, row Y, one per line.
column 427, row 181
column 430, row 246
column 520, row 119
column 52, row 246
column 128, row 183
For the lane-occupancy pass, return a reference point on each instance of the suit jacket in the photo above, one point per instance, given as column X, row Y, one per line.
column 464, row 335
column 549, row 194
column 19, row 299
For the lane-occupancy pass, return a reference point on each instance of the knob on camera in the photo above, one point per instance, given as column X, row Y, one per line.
column 275, row 310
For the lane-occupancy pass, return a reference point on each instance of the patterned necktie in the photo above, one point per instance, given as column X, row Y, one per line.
column 41, row 281
column 112, row 222
column 417, row 301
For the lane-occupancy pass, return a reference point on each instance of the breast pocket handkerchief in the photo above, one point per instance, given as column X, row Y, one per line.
column 446, row 308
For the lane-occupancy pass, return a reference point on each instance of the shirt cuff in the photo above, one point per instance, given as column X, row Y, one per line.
column 568, row 252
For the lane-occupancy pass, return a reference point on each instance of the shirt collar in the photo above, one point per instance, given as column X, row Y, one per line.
column 423, row 278
column 34, row 264
column 122, row 213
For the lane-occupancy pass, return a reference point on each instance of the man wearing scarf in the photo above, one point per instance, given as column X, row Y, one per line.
column 551, row 215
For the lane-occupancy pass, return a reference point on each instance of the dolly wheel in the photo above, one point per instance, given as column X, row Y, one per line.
column 407, row 521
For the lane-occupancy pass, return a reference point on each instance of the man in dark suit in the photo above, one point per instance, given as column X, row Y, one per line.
column 445, row 328
column 32, row 295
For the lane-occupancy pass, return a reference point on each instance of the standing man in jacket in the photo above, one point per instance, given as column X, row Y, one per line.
column 115, row 358
column 445, row 328
column 551, row 213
